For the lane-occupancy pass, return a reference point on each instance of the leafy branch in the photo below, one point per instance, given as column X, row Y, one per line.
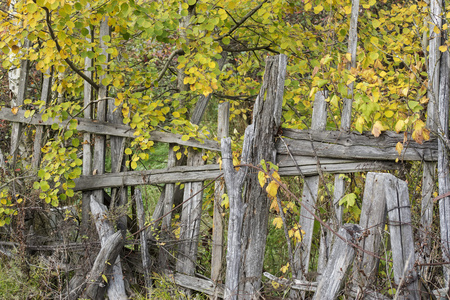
column 58, row 47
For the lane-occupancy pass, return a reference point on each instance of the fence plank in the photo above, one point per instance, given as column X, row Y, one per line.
column 208, row 172
column 98, row 163
column 116, row 288
column 309, row 197
column 372, row 221
column 337, row 144
column 219, row 190
column 339, row 263
column 39, row 135
column 402, row 239
column 190, row 220
column 146, row 264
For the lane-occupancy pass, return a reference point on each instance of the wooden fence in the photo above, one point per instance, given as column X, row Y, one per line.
column 308, row 153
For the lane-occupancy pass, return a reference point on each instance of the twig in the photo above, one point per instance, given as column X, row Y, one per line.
column 238, row 24
column 58, row 47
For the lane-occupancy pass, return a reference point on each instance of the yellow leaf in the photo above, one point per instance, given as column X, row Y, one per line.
column 104, row 278
column 262, row 178
column 275, row 284
column 225, row 202
column 388, row 113
column 274, row 205
column 318, row 9
column 436, row 30
column 348, row 9
column 185, row 138
column 377, row 128
column 443, row 48
column 15, row 110
column 178, row 155
column 133, row 165
column 277, row 222
column 399, row 148
column 399, row 125
column 276, row 176
column 285, row 268
column 272, row 188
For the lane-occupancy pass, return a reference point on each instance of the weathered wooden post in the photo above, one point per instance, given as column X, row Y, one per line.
column 309, row 196
column 219, row 189
column 190, row 220
column 140, row 212
column 339, row 263
column 402, row 239
column 372, row 221
column 235, row 181
column 116, row 288
column 266, row 120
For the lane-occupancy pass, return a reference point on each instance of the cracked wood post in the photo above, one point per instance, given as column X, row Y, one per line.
column 190, row 220
column 116, row 287
column 372, row 221
column 39, row 135
column 234, row 181
column 429, row 168
column 346, row 122
column 146, row 264
column 95, row 282
column 219, row 188
column 266, row 120
column 402, row 239
column 100, row 140
column 309, row 197
column 87, row 146
column 339, row 263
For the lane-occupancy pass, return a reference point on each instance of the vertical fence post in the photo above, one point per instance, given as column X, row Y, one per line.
column 402, row 239
column 309, row 196
column 219, row 188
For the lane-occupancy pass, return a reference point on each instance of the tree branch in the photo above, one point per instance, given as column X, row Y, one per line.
column 166, row 66
column 238, row 24
column 58, row 47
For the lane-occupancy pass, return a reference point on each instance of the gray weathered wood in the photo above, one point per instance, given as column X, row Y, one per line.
column 219, row 190
column 443, row 160
column 95, row 283
column 146, row 264
column 208, row 172
column 309, row 195
column 266, row 120
column 402, row 239
column 169, row 192
column 98, row 163
column 338, row 144
column 104, row 128
column 190, row 220
column 339, row 263
column 198, row 284
column 116, row 287
column 372, row 221
column 87, row 142
column 311, row 286
column 346, row 122
column 234, row 181
column 39, row 135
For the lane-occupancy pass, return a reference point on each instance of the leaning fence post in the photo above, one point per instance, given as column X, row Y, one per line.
column 372, row 220
column 402, row 239
column 339, row 263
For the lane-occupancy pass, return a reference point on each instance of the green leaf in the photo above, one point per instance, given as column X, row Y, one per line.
column 349, row 200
